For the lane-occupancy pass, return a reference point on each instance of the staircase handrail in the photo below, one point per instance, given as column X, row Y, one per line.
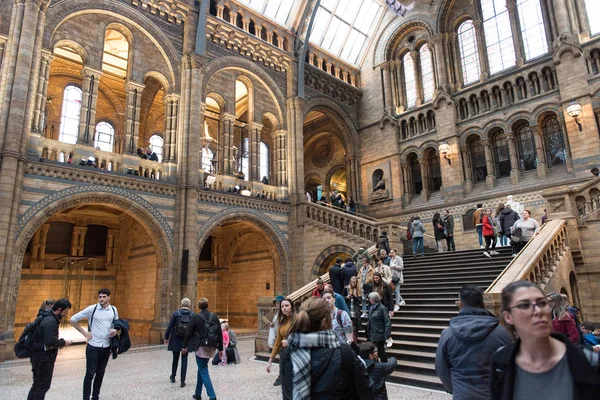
column 586, row 186
column 358, row 226
column 305, row 291
column 538, row 260
column 427, row 235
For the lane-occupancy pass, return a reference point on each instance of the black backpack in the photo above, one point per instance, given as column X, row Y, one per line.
column 211, row 334
column 183, row 322
column 28, row 340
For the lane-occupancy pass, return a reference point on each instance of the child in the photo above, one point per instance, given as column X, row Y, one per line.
column 225, row 330
column 378, row 371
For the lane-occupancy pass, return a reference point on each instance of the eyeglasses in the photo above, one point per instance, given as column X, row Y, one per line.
column 528, row 306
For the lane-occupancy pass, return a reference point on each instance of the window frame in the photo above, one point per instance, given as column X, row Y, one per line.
column 494, row 22
column 206, row 166
column 97, row 140
column 525, row 39
column 264, row 160
column 592, row 5
column 64, row 117
column 407, row 59
column 155, row 147
column 265, row 6
column 462, row 55
column 427, row 96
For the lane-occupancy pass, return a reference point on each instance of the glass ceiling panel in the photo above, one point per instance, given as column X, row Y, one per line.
column 344, row 27
column 277, row 10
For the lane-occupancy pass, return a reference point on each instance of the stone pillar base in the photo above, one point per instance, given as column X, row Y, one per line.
column 425, row 194
column 156, row 334
column 490, row 181
column 468, row 187
column 514, row 176
column 7, row 347
column 541, row 170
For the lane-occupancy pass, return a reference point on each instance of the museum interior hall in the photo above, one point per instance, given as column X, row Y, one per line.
column 234, row 149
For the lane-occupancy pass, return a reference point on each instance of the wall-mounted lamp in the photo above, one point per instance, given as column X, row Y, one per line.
column 574, row 110
column 444, row 150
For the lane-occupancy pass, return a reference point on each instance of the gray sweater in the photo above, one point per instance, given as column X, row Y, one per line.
column 529, row 228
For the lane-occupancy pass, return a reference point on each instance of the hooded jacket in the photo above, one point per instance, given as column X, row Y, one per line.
column 47, row 342
column 383, row 243
column 417, row 229
column 465, row 350
column 336, row 279
column 584, row 367
column 348, row 271
column 507, row 219
column 378, row 371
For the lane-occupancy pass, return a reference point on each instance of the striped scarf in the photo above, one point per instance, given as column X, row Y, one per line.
column 300, row 345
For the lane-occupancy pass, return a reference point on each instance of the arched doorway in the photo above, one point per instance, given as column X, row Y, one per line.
column 239, row 262
column 95, row 240
column 328, row 256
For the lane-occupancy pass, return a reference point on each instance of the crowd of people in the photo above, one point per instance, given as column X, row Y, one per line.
column 337, row 201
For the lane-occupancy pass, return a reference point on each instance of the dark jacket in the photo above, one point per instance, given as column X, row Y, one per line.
column 383, row 243
column 348, row 271
column 449, row 223
column 378, row 371
column 120, row 343
column 336, row 279
column 379, row 327
column 197, row 326
column 387, row 297
column 47, row 342
column 464, row 353
column 437, row 221
column 586, row 378
column 175, row 341
column 507, row 219
column 328, row 377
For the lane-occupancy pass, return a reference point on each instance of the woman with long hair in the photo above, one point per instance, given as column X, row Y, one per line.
column 503, row 238
column 539, row 364
column 285, row 317
column 489, row 233
column 341, row 324
column 315, row 363
column 353, row 296
column 46, row 306
column 562, row 321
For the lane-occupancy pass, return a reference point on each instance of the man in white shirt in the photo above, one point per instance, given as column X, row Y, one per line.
column 100, row 318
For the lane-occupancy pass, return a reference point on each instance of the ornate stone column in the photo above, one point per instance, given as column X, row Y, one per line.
column 111, row 245
column 561, row 15
column 453, row 50
column 514, row 158
column 539, row 151
column 465, row 152
column 401, row 105
column 387, row 87
column 254, row 159
column 439, row 61
column 418, row 80
column 407, row 178
column 489, row 163
column 511, row 6
column 132, row 123
column 425, row 192
column 89, row 98
column 225, row 162
column 42, row 93
column 78, row 240
column 281, row 160
column 171, row 103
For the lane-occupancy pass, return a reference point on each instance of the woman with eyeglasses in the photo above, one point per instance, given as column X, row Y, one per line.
column 562, row 321
column 540, row 364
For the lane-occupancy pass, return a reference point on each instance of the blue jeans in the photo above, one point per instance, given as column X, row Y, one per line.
column 204, row 379
column 503, row 240
column 418, row 245
column 398, row 297
column 479, row 229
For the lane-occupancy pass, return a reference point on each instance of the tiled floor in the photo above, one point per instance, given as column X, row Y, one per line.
column 143, row 373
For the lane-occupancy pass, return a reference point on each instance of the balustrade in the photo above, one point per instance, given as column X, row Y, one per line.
column 231, row 184
column 417, row 123
column 498, row 94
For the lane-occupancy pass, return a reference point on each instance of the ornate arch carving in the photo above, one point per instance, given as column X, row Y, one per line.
column 397, row 27
column 407, row 152
column 465, row 137
column 338, row 248
column 268, row 226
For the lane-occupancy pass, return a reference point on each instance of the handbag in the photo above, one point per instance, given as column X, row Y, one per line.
column 439, row 227
column 516, row 236
column 395, row 279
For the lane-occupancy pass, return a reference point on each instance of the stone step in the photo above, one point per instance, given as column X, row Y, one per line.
column 416, row 367
column 419, row 380
column 462, row 270
column 449, row 278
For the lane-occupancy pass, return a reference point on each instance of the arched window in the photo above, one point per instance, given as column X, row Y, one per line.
column 105, row 136
column 69, row 121
column 502, row 156
column 469, row 52
column 426, row 72
column 533, row 31
column 156, row 144
column 593, row 11
column 410, row 83
column 244, row 158
column 116, row 53
column 556, row 153
column 498, row 35
column 264, row 160
column 478, row 161
column 417, row 179
column 207, row 157
column 435, row 174
column 526, row 147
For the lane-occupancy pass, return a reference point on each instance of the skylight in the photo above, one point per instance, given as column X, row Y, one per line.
column 342, row 27
column 277, row 10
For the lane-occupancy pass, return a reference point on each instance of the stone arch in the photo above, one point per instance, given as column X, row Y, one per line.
column 339, row 117
column 331, row 250
column 132, row 204
column 540, row 112
column 272, row 119
column 407, row 152
column 492, row 128
column 81, row 50
column 519, row 116
column 59, row 12
column 251, row 96
column 219, row 99
column 396, row 28
column 229, row 62
column 258, row 218
column 330, row 173
column 467, row 137
column 160, row 78
column 430, row 144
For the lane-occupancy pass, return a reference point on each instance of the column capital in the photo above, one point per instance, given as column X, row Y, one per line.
column 88, row 72
column 254, row 125
column 510, row 136
column 280, row 133
column 385, row 65
column 477, row 24
column 47, row 56
column 464, row 149
column 227, row 117
column 172, row 97
column 437, row 39
column 511, row 5
column 131, row 86
column 452, row 37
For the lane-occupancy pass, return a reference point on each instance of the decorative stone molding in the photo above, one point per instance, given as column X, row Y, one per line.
column 173, row 10
column 327, row 84
column 241, row 201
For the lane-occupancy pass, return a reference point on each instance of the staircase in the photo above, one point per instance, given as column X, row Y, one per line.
column 431, row 291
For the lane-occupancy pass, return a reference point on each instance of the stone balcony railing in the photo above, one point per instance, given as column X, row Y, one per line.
column 538, row 261
column 248, row 189
column 500, row 92
column 361, row 226
column 416, row 122
column 54, row 150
